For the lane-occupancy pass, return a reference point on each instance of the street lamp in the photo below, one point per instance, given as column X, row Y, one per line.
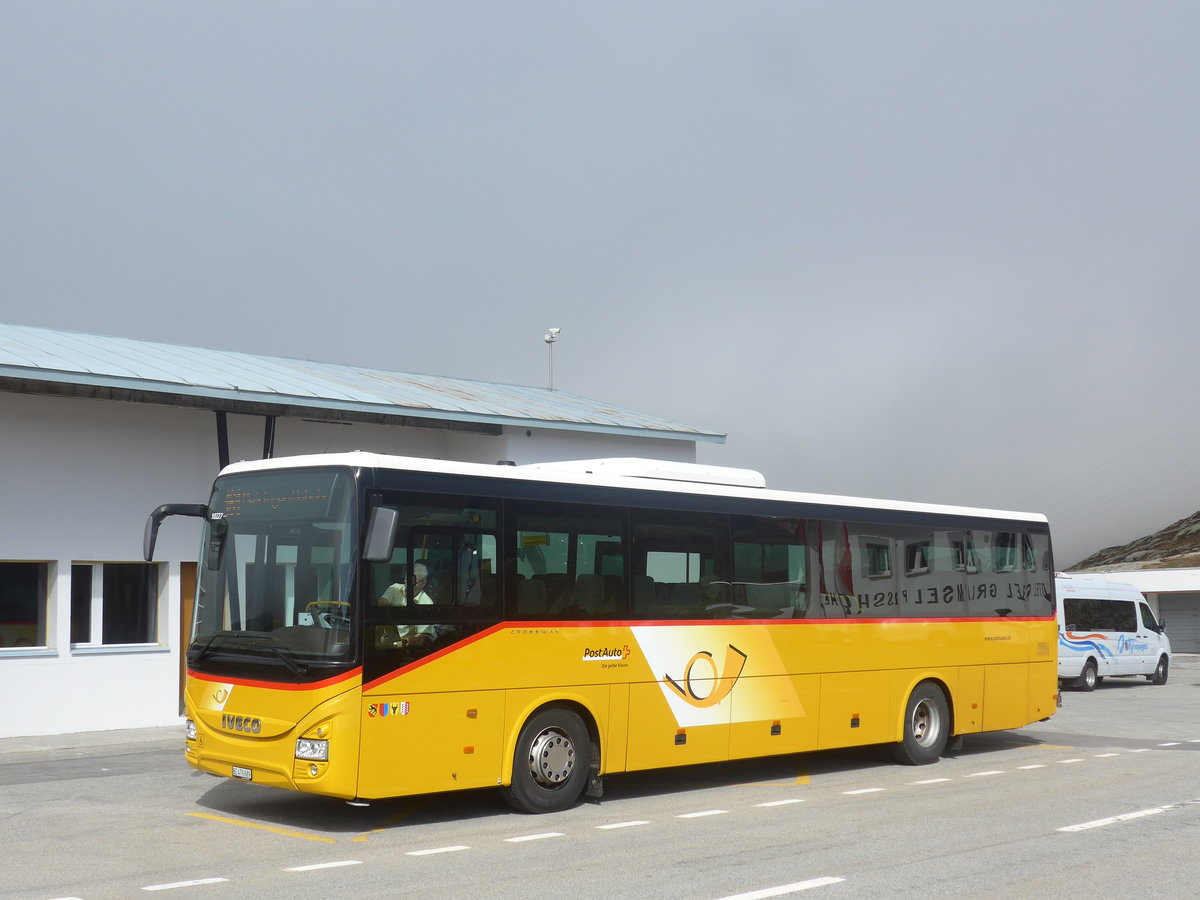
column 550, row 338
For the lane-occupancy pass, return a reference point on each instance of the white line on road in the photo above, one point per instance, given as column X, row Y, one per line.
column 183, row 884
column 434, row 850
column 793, row 888
column 864, row 791
column 707, row 812
column 1112, row 820
column 1034, row 766
column 1063, row 762
column 1171, row 744
column 930, row 781
column 981, row 774
column 533, row 837
column 329, row 865
column 1104, row 755
column 624, row 824
column 780, row 802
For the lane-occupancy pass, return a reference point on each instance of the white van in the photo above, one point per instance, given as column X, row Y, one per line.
column 1106, row 628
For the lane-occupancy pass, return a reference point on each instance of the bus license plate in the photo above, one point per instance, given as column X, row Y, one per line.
column 244, row 774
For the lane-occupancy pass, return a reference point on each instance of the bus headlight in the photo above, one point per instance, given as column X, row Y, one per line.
column 309, row 748
column 189, row 730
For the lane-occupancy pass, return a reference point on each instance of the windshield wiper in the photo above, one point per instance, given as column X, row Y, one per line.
column 263, row 640
column 293, row 666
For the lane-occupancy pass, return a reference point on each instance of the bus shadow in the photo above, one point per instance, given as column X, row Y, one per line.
column 308, row 814
column 304, row 813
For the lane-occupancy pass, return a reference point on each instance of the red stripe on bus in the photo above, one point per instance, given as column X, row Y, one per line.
column 277, row 685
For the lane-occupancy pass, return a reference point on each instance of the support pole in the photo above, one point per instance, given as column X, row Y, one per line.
column 222, row 440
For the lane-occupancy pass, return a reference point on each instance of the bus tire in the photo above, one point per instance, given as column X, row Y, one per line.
column 1088, row 678
column 926, row 726
column 1160, row 672
column 550, row 763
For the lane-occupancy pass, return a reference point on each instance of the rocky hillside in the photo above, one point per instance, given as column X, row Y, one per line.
column 1176, row 546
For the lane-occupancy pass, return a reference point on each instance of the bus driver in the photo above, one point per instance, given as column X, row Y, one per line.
column 397, row 595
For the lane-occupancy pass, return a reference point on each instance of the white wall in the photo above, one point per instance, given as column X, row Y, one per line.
column 81, row 476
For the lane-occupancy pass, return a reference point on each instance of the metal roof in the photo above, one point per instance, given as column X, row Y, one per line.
column 41, row 360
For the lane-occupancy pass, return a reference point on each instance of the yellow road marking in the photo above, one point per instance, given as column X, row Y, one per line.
column 285, row 832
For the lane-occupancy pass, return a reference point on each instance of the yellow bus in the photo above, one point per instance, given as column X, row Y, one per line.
column 368, row 626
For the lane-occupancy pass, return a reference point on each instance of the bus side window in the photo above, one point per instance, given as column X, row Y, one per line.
column 568, row 561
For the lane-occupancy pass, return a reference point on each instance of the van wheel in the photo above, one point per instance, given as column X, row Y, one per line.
column 550, row 763
column 926, row 727
column 1087, row 678
column 1160, row 672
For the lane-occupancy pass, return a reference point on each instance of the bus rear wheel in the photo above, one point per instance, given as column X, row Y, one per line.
column 926, row 726
column 550, row 763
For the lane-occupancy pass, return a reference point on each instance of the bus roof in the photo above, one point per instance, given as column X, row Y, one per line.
column 660, row 475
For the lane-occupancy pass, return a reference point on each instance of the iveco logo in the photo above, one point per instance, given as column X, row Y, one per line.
column 241, row 723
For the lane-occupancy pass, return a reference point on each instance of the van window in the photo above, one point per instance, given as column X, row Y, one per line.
column 1148, row 618
column 1091, row 614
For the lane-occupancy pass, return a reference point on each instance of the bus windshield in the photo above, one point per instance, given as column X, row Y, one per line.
column 276, row 567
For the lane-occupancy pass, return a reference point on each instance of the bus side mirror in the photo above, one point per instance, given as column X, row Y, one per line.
column 381, row 534
column 150, row 537
column 214, row 547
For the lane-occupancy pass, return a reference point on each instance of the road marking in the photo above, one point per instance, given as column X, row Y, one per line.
column 780, row 802
column 1112, row 820
column 271, row 828
column 328, row 865
column 533, row 837
column 1103, row 755
column 1141, row 750
column 183, row 884
column 863, row 791
column 793, row 888
column 707, row 812
column 1034, row 766
column 930, row 781
column 624, row 824
column 981, row 774
column 1171, row 744
column 1063, row 762
column 434, row 850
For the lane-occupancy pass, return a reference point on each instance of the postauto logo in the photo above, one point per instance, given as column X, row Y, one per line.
column 605, row 653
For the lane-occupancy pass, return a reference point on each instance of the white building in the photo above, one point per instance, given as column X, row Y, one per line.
column 95, row 432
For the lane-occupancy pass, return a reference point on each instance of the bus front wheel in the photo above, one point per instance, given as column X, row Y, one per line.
column 550, row 764
column 926, row 726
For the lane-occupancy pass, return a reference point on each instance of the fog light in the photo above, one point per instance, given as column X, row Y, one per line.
column 313, row 770
column 308, row 748
column 189, row 730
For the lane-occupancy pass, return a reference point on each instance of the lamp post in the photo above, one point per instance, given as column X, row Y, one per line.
column 550, row 338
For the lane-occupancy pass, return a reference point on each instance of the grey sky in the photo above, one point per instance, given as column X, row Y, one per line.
column 930, row 251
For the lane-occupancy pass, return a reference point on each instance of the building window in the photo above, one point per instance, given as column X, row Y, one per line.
column 114, row 603
column 916, row 558
column 23, row 604
column 877, row 558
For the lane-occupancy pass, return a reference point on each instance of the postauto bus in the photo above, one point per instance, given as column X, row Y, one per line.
column 368, row 626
